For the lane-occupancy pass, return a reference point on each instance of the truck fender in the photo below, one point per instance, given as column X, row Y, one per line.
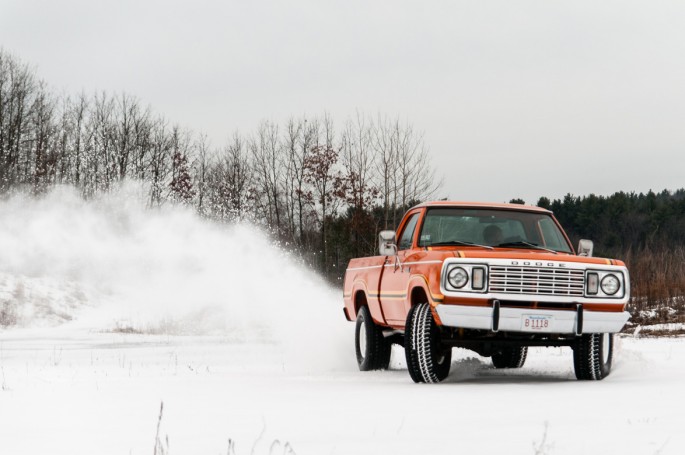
column 360, row 297
column 418, row 291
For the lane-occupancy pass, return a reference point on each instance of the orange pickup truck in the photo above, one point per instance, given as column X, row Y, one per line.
column 492, row 278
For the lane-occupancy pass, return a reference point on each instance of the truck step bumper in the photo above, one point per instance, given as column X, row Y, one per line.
column 504, row 319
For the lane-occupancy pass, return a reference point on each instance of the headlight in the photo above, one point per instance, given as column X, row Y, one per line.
column 610, row 284
column 458, row 277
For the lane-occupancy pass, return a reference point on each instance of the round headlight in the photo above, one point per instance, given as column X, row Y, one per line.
column 458, row 277
column 610, row 284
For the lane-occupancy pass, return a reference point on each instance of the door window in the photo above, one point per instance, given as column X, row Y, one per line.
column 408, row 233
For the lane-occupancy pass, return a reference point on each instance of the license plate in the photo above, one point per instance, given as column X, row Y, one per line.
column 536, row 322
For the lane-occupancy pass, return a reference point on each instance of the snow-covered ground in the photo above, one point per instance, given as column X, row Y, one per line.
column 75, row 392
column 250, row 354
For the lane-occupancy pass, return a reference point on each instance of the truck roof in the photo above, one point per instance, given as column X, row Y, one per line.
column 483, row 205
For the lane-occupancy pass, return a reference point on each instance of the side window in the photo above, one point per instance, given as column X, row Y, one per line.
column 408, row 233
column 552, row 237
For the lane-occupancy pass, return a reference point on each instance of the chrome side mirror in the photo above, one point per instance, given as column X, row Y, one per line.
column 387, row 243
column 585, row 248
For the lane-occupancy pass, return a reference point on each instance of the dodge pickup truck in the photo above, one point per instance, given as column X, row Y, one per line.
column 492, row 278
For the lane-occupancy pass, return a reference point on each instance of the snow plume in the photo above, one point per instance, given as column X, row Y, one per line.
column 112, row 263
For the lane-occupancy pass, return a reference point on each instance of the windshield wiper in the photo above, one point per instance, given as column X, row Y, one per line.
column 521, row 243
column 459, row 243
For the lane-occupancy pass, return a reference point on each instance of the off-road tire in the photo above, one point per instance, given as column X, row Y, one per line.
column 510, row 357
column 373, row 350
column 593, row 355
column 427, row 360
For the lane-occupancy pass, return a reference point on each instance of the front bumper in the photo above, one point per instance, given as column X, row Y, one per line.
column 505, row 319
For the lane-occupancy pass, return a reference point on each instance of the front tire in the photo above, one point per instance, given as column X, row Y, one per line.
column 593, row 356
column 373, row 350
column 510, row 357
column 427, row 359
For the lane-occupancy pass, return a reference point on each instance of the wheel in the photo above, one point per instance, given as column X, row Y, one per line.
column 373, row 351
column 510, row 357
column 427, row 359
column 592, row 356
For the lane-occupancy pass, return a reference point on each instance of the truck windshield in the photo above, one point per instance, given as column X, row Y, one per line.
column 491, row 228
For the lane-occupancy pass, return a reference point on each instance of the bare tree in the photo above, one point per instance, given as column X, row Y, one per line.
column 42, row 132
column 17, row 88
column 181, row 185
column 100, row 166
column 403, row 167
column 160, row 162
column 358, row 189
column 417, row 179
column 301, row 138
column 357, row 161
column 320, row 172
column 201, row 168
column 266, row 158
column 240, row 177
column 122, row 132
column 290, row 139
column 229, row 183
column 385, row 143
column 141, row 143
column 74, row 138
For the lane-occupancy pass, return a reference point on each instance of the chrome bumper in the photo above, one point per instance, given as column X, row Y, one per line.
column 511, row 319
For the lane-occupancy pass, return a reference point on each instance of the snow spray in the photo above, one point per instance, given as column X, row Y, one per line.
column 113, row 264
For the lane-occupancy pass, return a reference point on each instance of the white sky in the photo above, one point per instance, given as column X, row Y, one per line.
column 516, row 99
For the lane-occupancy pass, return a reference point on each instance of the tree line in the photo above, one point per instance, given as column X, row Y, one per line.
column 320, row 188
column 647, row 231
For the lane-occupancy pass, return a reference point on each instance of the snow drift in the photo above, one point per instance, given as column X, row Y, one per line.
column 114, row 264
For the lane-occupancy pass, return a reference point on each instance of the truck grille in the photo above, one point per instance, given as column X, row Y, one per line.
column 537, row 281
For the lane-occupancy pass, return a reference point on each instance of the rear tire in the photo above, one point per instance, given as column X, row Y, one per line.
column 427, row 359
column 593, row 355
column 510, row 357
column 373, row 350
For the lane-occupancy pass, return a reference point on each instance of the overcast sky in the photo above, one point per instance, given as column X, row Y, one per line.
column 516, row 99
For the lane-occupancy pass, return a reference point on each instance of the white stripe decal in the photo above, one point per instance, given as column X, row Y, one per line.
column 365, row 268
column 422, row 262
column 392, row 264
column 414, row 263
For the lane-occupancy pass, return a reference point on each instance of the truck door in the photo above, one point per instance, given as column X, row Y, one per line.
column 395, row 275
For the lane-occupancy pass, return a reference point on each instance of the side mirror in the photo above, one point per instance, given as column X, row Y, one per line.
column 387, row 243
column 585, row 248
